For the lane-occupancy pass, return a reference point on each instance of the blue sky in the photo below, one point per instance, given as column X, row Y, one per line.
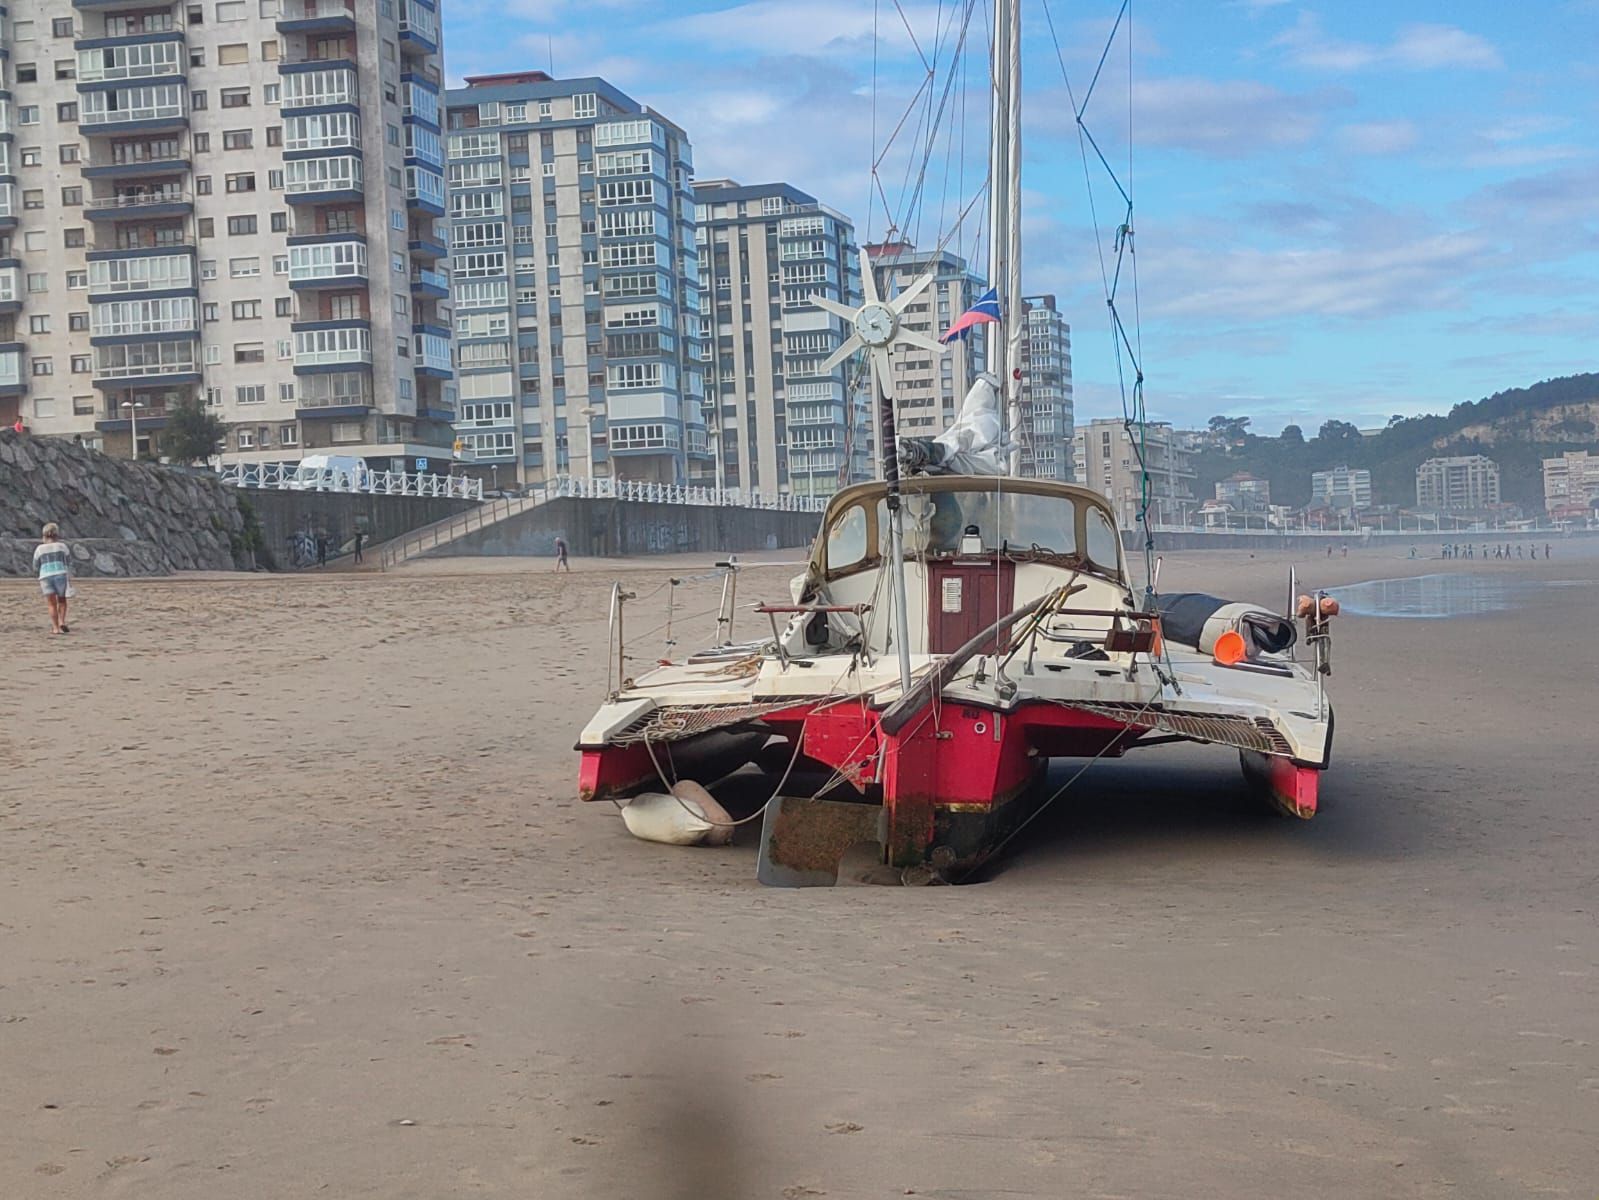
column 1344, row 209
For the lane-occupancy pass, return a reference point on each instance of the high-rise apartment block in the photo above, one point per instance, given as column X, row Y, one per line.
column 1047, row 409
column 929, row 388
column 1108, row 461
column 575, row 282
column 1341, row 487
column 1467, row 481
column 236, row 201
column 777, row 421
column 1571, row 483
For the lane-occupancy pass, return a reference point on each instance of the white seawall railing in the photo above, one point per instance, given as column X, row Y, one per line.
column 288, row 477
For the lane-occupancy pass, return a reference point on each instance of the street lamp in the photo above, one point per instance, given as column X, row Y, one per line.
column 133, row 407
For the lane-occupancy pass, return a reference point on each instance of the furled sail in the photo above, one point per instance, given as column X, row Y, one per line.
column 974, row 445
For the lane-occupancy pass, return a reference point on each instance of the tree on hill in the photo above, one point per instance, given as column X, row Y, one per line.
column 192, row 434
column 1231, row 429
column 1292, row 435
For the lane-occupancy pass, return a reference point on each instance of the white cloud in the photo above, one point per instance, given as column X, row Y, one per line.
column 1378, row 137
column 780, row 27
column 1418, row 47
column 1227, row 118
column 1360, row 281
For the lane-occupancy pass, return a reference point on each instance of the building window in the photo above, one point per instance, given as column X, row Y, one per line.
column 67, row 112
column 251, row 393
column 39, row 323
column 72, row 238
column 271, row 93
column 583, row 105
column 232, row 55
column 249, row 352
column 32, row 156
column 202, row 143
column 27, row 72
column 283, row 306
column 210, row 312
column 244, row 268
column 280, row 222
column 202, row 185
column 197, row 56
column 43, row 366
column 286, row 392
column 244, row 181
column 38, row 282
column 66, row 68
column 81, row 364
column 197, row 102
column 274, row 135
column 69, row 152
column 77, row 280
column 238, row 139
column 71, row 197
column 207, row 227
column 280, row 264
column 236, row 97
column 246, row 310
column 275, row 180
column 232, row 10
column 78, row 322
column 61, row 27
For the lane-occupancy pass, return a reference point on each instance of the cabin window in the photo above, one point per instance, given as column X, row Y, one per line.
column 846, row 540
column 1103, row 547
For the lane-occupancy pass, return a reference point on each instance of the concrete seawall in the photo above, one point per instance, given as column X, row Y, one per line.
column 614, row 528
column 290, row 521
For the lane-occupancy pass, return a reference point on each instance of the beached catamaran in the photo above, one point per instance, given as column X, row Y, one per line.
column 956, row 628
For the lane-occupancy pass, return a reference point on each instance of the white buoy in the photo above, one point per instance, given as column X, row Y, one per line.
column 689, row 817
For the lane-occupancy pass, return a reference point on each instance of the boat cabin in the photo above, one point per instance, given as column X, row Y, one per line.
column 976, row 549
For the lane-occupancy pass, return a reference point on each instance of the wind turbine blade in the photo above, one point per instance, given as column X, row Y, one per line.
column 920, row 340
column 850, row 346
column 868, row 278
column 882, row 367
column 917, row 287
column 833, row 306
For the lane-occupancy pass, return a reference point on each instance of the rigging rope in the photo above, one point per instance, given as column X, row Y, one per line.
column 1128, row 349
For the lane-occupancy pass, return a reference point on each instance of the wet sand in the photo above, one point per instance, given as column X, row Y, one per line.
column 295, row 900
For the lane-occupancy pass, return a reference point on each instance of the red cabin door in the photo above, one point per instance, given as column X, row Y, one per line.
column 965, row 598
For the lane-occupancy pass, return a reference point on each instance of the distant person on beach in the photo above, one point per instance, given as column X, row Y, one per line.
column 1412, row 552
column 1346, row 551
column 321, row 549
column 360, row 536
column 1548, row 550
column 52, row 559
column 560, row 556
column 1329, row 550
column 1518, row 550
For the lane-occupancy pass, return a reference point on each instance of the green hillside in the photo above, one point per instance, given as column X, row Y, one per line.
column 1516, row 428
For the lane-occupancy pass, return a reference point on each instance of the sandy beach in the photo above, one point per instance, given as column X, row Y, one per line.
column 296, row 900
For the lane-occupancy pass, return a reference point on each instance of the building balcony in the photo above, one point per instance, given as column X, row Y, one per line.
column 431, row 354
column 137, row 162
column 143, row 108
column 419, row 29
column 428, row 247
column 432, row 285
column 323, row 180
column 8, row 206
column 116, row 274
column 107, row 6
column 317, row 16
column 424, row 190
column 318, row 83
column 326, row 345
column 10, row 285
column 12, row 381
column 138, row 204
column 174, row 361
column 333, row 261
column 134, row 57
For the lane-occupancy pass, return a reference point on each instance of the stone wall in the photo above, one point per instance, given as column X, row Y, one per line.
column 121, row 518
column 608, row 528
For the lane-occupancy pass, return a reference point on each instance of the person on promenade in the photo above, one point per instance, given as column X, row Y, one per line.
column 560, row 556
column 52, row 559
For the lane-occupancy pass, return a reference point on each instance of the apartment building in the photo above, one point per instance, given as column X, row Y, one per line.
column 1468, row 481
column 1571, row 483
column 777, row 422
column 576, row 282
column 1107, row 460
column 1341, row 487
column 1047, row 409
column 1243, row 492
column 929, row 389
column 235, row 201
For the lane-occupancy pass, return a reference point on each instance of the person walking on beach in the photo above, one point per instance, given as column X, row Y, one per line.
column 321, row 549
column 52, row 560
column 1548, row 550
column 360, row 536
column 560, row 556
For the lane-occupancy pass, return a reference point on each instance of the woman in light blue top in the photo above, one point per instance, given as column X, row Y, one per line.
column 52, row 559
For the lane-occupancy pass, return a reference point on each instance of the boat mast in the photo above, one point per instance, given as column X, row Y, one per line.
column 1005, row 216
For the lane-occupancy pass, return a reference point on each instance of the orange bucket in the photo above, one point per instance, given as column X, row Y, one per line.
column 1230, row 649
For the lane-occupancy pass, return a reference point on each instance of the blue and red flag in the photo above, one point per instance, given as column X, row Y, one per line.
column 984, row 312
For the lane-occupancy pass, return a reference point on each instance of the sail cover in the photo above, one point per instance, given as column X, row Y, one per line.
column 974, row 445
